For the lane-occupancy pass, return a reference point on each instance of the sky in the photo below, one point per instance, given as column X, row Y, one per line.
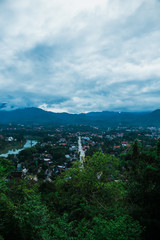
column 80, row 56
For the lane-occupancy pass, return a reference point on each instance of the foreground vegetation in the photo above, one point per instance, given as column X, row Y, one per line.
column 107, row 198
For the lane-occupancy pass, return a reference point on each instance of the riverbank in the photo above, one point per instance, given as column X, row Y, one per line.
column 14, row 151
column 12, row 146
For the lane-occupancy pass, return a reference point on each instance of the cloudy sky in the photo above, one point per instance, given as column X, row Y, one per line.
column 80, row 55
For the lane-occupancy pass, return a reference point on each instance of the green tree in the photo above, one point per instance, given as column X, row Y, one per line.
column 92, row 186
column 119, row 228
column 32, row 217
column 99, row 228
column 143, row 182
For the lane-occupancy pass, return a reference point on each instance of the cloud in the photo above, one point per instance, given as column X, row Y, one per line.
column 80, row 56
column 3, row 105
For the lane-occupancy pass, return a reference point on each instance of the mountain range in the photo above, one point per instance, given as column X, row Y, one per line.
column 36, row 116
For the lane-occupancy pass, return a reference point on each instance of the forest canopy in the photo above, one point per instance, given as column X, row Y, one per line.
column 106, row 198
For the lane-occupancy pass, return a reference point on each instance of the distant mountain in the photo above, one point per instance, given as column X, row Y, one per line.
column 36, row 116
column 28, row 116
column 155, row 114
column 102, row 119
column 153, row 118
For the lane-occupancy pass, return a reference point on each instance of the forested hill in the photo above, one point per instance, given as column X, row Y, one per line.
column 101, row 119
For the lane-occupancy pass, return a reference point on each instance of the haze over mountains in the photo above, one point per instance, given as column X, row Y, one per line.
column 101, row 119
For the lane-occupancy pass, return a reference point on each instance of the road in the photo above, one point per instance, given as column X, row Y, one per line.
column 80, row 150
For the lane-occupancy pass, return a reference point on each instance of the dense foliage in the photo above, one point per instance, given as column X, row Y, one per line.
column 106, row 198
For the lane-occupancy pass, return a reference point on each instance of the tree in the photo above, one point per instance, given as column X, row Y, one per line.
column 119, row 228
column 143, row 182
column 94, row 183
column 33, row 218
column 6, row 205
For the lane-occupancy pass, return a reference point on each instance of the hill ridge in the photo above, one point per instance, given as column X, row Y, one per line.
column 33, row 115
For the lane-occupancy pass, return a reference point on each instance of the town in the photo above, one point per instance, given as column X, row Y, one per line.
column 41, row 152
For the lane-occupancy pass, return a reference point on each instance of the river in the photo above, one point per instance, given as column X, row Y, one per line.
column 16, row 151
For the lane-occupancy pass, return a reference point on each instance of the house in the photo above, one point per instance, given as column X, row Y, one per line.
column 61, row 168
column 10, row 139
column 124, row 144
column 67, row 156
column 73, row 148
column 62, row 140
column 120, row 134
column 109, row 137
column 47, row 160
column 63, row 144
column 92, row 143
column 117, row 147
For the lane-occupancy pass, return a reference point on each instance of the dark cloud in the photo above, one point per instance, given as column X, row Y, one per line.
column 3, row 105
column 80, row 56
